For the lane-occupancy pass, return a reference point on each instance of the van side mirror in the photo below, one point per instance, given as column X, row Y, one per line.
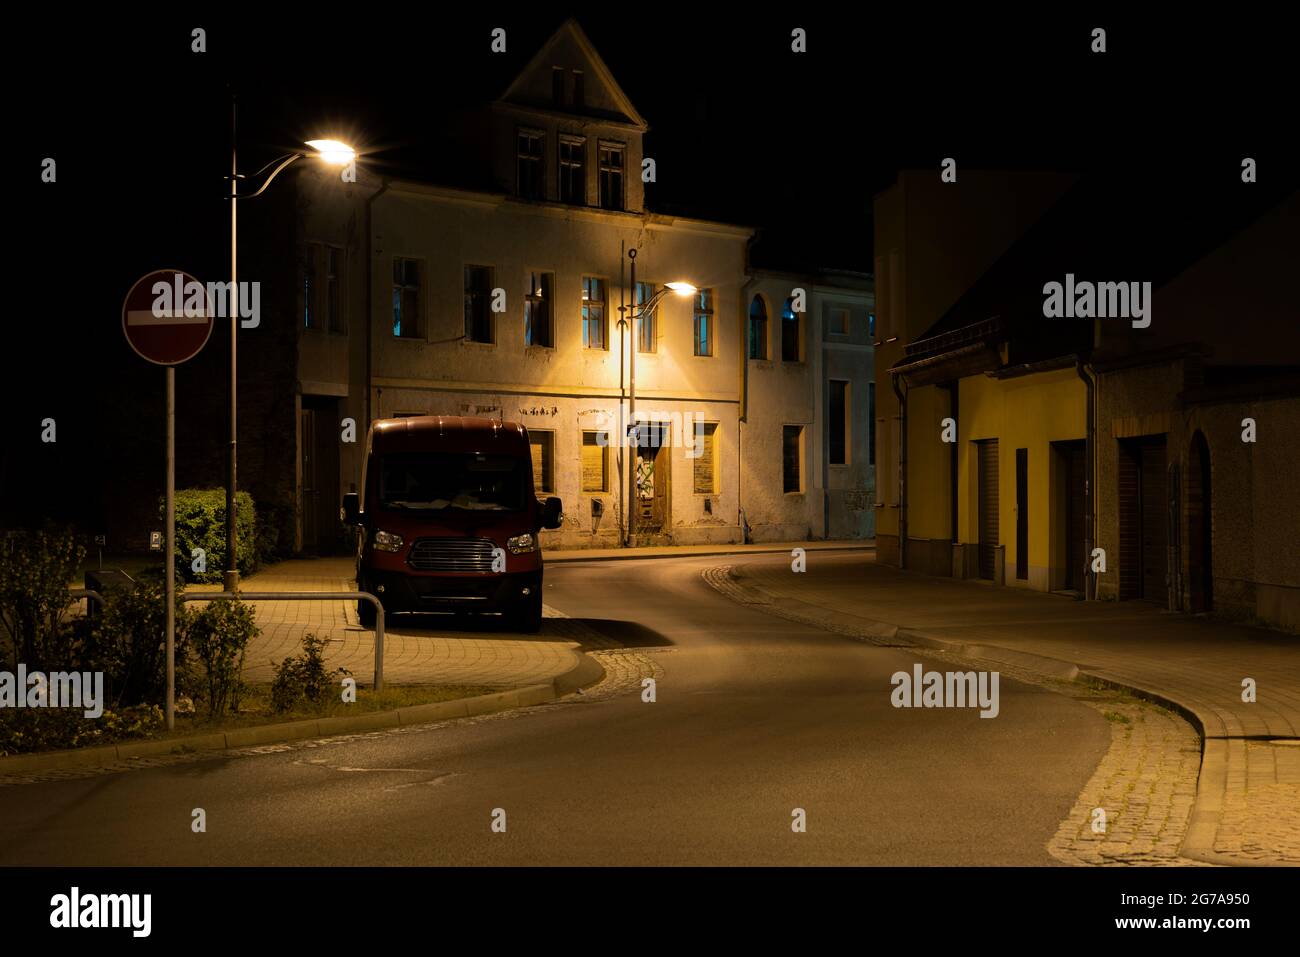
column 552, row 512
column 350, row 513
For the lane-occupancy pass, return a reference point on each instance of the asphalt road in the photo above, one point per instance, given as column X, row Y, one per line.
column 755, row 716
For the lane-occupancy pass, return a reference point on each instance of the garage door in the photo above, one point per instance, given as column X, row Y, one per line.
column 1142, row 506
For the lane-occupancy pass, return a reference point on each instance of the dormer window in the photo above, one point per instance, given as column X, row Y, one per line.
column 557, row 85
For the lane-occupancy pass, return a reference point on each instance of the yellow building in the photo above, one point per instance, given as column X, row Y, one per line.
column 976, row 434
column 1117, row 453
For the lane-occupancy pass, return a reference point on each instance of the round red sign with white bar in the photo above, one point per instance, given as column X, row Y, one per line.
column 167, row 317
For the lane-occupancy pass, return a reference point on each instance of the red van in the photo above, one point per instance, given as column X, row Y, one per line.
column 448, row 520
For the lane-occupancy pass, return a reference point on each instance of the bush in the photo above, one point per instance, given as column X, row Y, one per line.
column 275, row 524
column 129, row 643
column 53, row 729
column 303, row 677
column 218, row 637
column 35, row 569
column 201, row 523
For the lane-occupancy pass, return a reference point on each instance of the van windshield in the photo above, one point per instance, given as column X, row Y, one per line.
column 459, row 481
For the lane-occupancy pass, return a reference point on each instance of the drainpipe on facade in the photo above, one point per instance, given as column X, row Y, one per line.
column 745, row 288
column 902, row 471
column 370, row 291
column 954, row 399
column 1089, row 581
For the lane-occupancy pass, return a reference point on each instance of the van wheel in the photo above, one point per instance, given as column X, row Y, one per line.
column 366, row 613
column 526, row 617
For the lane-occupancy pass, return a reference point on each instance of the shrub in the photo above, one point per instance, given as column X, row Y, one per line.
column 275, row 523
column 304, row 677
column 219, row 636
column 52, row 729
column 129, row 642
column 201, row 523
column 35, row 569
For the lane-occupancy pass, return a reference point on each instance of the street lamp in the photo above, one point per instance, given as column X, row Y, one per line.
column 681, row 288
column 332, row 152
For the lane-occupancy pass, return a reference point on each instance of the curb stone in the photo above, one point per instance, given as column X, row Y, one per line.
column 1212, row 782
column 584, row 674
column 577, row 554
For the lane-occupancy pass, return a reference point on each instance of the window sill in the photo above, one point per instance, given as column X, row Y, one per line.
column 475, row 344
column 533, row 349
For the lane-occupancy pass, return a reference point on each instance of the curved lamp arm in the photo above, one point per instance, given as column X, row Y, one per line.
column 649, row 305
column 282, row 162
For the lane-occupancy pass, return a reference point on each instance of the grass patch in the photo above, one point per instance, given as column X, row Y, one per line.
column 35, row 731
column 1116, row 717
column 255, row 707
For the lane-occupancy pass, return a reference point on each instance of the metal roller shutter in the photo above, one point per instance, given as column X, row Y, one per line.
column 988, row 506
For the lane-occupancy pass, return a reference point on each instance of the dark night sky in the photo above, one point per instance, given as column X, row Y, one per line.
column 742, row 130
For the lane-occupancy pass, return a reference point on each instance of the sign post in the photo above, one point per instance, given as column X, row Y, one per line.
column 167, row 319
column 169, row 588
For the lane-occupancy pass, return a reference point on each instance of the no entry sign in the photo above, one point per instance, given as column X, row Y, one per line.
column 167, row 317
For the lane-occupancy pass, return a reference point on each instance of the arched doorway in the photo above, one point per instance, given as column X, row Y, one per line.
column 1200, row 526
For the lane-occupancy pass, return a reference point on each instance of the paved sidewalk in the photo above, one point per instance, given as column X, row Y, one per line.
column 686, row 551
column 1248, row 796
column 412, row 655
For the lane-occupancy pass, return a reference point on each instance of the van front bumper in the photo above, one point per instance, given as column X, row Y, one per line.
column 401, row 592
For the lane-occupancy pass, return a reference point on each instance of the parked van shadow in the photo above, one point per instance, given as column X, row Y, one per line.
column 628, row 634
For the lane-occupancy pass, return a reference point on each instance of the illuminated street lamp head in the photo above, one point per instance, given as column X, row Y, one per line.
column 333, row 152
column 682, row 288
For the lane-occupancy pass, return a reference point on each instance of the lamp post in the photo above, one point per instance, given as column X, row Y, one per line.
column 329, row 151
column 638, row 312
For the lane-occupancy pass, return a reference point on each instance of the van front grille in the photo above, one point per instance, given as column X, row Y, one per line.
column 451, row 555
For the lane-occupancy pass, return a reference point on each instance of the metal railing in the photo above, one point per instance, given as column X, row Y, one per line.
column 311, row 596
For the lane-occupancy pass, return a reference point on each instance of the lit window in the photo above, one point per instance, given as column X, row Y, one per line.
column 406, row 298
column 704, row 322
column 789, row 333
column 538, row 327
column 757, row 329
column 647, row 324
column 593, row 312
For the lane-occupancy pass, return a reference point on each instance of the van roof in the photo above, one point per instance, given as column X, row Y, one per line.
column 453, row 433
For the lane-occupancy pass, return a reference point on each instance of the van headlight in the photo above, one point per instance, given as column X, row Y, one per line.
column 520, row 544
column 387, row 541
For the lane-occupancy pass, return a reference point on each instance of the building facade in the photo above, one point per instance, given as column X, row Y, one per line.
column 506, row 301
column 1115, row 458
